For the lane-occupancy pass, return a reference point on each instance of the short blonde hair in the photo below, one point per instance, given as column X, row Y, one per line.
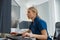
column 34, row 10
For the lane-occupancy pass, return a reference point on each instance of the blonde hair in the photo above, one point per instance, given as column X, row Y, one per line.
column 34, row 10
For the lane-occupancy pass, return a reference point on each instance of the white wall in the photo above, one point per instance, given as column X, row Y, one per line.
column 15, row 15
column 52, row 17
column 57, row 7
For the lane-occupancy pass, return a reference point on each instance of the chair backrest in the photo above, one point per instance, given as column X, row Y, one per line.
column 57, row 30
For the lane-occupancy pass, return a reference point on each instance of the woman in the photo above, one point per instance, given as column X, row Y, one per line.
column 38, row 27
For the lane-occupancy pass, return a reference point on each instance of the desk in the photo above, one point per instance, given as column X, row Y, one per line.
column 21, row 38
column 17, row 37
column 2, row 38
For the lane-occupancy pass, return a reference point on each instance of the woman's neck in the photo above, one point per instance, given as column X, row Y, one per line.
column 33, row 18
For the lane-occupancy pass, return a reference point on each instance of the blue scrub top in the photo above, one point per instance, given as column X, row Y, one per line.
column 37, row 26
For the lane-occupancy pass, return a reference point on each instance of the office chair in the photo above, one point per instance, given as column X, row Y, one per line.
column 57, row 31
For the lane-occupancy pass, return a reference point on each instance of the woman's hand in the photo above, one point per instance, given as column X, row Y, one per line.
column 26, row 34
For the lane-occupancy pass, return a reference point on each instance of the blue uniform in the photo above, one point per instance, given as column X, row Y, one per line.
column 37, row 26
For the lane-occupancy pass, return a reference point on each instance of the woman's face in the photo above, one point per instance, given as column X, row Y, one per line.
column 30, row 14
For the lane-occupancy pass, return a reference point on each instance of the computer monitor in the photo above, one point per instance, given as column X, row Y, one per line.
column 9, row 15
column 5, row 16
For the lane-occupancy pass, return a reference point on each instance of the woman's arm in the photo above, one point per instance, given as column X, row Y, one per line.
column 43, row 35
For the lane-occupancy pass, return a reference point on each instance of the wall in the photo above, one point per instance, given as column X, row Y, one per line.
column 15, row 15
column 57, row 4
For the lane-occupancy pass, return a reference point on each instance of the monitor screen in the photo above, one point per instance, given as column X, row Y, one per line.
column 5, row 16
